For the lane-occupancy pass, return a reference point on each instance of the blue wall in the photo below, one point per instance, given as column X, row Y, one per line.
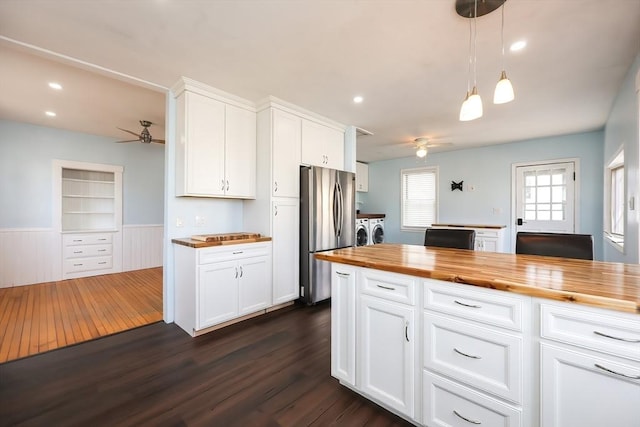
column 622, row 130
column 26, row 154
column 489, row 170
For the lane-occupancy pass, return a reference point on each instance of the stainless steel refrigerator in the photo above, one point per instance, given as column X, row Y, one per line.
column 327, row 221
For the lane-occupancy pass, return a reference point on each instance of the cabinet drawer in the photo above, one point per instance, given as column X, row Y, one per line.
column 87, row 251
column 390, row 286
column 480, row 305
column 446, row 403
column 86, row 239
column 606, row 333
column 491, row 234
column 232, row 252
column 87, row 264
column 485, row 358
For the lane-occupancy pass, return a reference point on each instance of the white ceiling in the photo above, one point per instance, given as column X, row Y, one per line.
column 407, row 58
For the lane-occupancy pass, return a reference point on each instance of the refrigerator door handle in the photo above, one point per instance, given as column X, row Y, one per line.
column 340, row 209
column 335, row 208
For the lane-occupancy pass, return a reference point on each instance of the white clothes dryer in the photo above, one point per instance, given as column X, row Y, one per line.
column 376, row 230
column 363, row 237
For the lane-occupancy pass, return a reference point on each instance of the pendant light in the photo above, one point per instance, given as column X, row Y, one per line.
column 504, row 88
column 472, row 106
column 421, row 147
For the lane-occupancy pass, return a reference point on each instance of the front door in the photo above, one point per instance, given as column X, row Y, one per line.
column 545, row 197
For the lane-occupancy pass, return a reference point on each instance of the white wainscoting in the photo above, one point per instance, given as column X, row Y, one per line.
column 29, row 256
column 142, row 246
column 34, row 255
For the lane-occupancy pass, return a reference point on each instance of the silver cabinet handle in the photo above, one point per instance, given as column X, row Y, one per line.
column 237, row 252
column 236, row 272
column 465, row 418
column 227, row 185
column 343, row 274
column 102, row 240
column 241, row 271
column 275, row 190
column 633, row 377
column 467, row 305
column 615, row 338
column 222, row 188
column 102, row 263
column 389, row 288
column 77, row 240
column 102, row 250
column 470, row 356
column 78, row 265
column 406, row 330
column 275, row 209
column 77, row 252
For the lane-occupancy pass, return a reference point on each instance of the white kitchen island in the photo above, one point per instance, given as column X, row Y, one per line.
column 518, row 341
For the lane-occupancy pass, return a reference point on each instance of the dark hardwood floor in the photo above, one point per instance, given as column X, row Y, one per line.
column 273, row 370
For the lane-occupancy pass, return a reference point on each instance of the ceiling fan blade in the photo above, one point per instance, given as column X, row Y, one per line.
column 132, row 133
column 159, row 141
column 131, row 140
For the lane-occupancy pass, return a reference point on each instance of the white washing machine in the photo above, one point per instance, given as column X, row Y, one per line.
column 362, row 232
column 376, row 230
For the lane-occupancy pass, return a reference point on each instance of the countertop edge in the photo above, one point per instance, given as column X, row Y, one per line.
column 185, row 241
column 497, row 284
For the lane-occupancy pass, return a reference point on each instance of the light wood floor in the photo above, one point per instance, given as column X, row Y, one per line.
column 46, row 316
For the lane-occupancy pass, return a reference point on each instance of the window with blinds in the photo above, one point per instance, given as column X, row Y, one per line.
column 419, row 198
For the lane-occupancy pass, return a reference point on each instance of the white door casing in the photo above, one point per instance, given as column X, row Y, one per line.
column 544, row 196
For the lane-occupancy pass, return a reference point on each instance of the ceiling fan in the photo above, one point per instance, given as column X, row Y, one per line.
column 423, row 144
column 144, row 136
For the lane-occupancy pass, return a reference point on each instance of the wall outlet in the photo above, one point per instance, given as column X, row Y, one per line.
column 471, row 187
column 200, row 221
column 179, row 222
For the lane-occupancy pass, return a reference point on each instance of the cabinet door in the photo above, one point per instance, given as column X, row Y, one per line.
column 362, row 177
column 313, row 144
column 334, row 148
column 343, row 323
column 217, row 293
column 255, row 284
column 204, row 140
column 240, row 153
column 286, row 259
column 577, row 390
column 489, row 245
column 286, row 154
column 386, row 352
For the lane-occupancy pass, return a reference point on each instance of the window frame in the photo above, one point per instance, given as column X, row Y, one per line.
column 428, row 169
column 615, row 166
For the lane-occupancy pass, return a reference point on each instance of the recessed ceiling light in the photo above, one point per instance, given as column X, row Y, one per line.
column 50, row 113
column 519, row 45
column 358, row 99
column 56, row 86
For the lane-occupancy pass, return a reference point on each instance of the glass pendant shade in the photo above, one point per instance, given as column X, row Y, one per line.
column 504, row 90
column 421, row 152
column 471, row 107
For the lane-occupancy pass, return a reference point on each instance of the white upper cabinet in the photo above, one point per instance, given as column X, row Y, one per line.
column 215, row 147
column 362, row 177
column 322, row 145
column 286, row 154
column 240, row 152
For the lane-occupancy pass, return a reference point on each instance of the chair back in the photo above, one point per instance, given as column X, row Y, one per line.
column 450, row 238
column 579, row 246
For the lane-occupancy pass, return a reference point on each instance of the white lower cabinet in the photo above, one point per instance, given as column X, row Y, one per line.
column 447, row 403
column 286, row 248
column 219, row 284
column 343, row 323
column 589, row 367
column 386, row 352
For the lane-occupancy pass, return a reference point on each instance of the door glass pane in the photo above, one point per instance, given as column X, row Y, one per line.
column 544, row 178
column 544, row 194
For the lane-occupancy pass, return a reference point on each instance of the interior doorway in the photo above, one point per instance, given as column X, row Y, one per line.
column 544, row 196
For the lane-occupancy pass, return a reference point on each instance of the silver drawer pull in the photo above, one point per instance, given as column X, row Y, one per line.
column 237, row 252
column 78, row 265
column 102, row 250
column 241, row 271
column 102, row 240
column 102, row 263
column 470, row 356
column 633, row 377
column 77, row 240
column 466, row 419
column 77, row 252
column 343, row 274
column 406, row 330
column 615, row 338
column 467, row 305
column 389, row 288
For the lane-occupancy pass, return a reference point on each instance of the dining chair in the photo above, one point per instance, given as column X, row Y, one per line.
column 450, row 238
column 565, row 245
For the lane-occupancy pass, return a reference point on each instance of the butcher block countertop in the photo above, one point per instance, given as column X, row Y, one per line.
column 470, row 226
column 602, row 284
column 208, row 240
